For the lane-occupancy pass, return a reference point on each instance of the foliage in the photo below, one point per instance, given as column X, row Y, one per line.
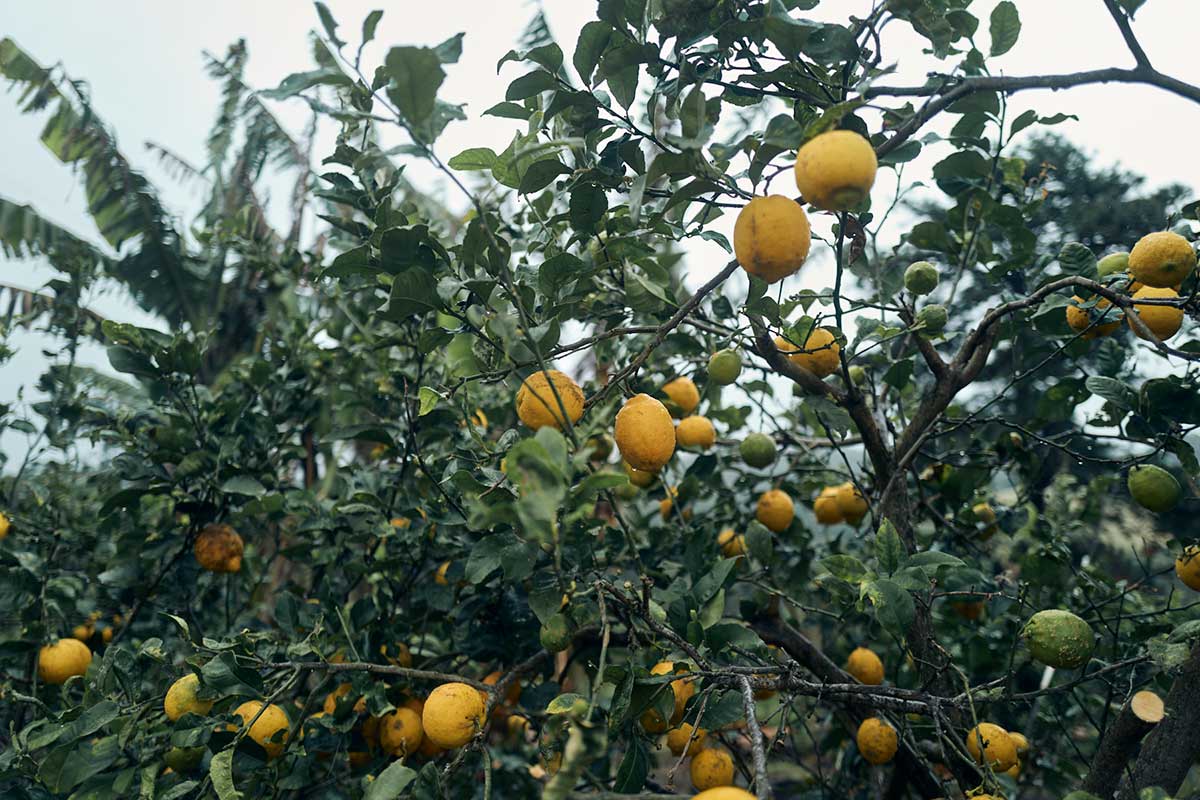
column 345, row 400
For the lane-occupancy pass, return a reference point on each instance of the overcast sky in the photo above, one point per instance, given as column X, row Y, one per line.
column 142, row 60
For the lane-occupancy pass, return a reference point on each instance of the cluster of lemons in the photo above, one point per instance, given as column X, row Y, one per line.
column 448, row 718
column 1156, row 269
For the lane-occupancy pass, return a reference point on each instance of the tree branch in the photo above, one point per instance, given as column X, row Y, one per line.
column 1127, row 34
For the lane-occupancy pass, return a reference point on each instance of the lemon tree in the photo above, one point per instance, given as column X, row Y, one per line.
column 641, row 452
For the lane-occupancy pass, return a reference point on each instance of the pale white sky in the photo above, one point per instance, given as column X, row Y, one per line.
column 142, row 61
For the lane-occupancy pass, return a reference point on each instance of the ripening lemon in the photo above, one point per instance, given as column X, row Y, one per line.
column 775, row 510
column 537, row 405
column 1080, row 320
column 219, row 548
column 1019, row 741
column 679, row 738
column 62, row 660
column 711, row 767
column 4, row 526
column 181, row 698
column 850, row 502
column 865, row 666
column 724, row 793
column 732, row 544
column 453, row 714
column 819, row 354
column 987, row 515
column 683, row 393
column 398, row 654
column 1187, row 567
column 827, row 508
column 836, row 170
column 639, row 477
column 682, row 690
column 332, row 700
column 400, row 732
column 877, row 741
column 998, row 748
column 439, row 577
column 512, row 695
column 1163, row 321
column 771, row 237
column 264, row 730
column 645, row 433
column 1162, row 259
column 695, row 431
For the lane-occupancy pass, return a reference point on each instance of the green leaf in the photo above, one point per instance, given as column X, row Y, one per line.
column 220, row 770
column 723, row 711
column 355, row 261
column 932, row 559
column 1114, row 391
column 593, row 38
column 587, row 207
column 760, row 542
column 634, row 767
column 414, row 292
column 1005, row 27
column 389, row 784
column 416, row 74
column 531, row 84
column 427, row 400
column 894, row 607
column 473, row 159
column 1077, row 259
column 370, row 23
column 889, row 550
column 846, row 568
column 330, row 25
column 566, row 703
column 713, row 581
column 450, row 50
column 243, row 484
column 541, row 174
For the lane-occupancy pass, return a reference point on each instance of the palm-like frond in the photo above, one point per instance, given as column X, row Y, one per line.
column 121, row 201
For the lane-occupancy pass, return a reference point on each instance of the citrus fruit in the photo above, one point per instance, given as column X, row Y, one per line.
column 835, row 170
column 732, row 544
column 400, row 732
column 537, row 405
column 183, row 759
column 398, row 654
column 1059, row 639
column 439, row 577
column 775, row 510
column 758, row 450
column 267, row 728
column 5, row 524
column 711, row 767
column 695, row 431
column 997, row 748
column 851, row 503
column 683, row 393
column 877, row 741
column 1112, row 263
column 1019, row 741
column 453, row 715
column 218, row 548
column 865, row 666
column 1153, row 487
column 818, row 355
column 724, row 367
column 555, row 634
column 771, row 237
column 1163, row 321
column 645, row 433
column 1187, row 567
column 62, row 660
column 181, row 698
column 724, row 793
column 984, row 513
column 921, row 277
column 1162, row 259
column 1080, row 320
column 933, row 318
column 827, row 508
column 678, row 739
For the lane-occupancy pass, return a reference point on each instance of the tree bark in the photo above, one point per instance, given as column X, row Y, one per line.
column 1174, row 745
column 1138, row 717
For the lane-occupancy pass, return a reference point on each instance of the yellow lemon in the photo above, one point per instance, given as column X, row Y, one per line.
column 819, row 355
column 537, row 405
column 998, row 748
column 181, row 698
column 775, row 510
column 400, row 732
column 266, row 728
column 732, row 544
column 1162, row 259
column 771, row 237
column 1187, row 567
column 865, row 666
column 64, row 659
column 827, row 508
column 850, row 502
column 1163, row 321
column 1080, row 321
column 836, row 170
column 639, row 477
column 877, row 741
column 695, row 431
column 678, row 738
column 711, row 767
column 453, row 714
column 645, row 433
column 219, row 548
column 683, row 393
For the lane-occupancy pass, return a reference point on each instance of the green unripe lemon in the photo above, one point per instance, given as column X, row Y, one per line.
column 933, row 318
column 1153, row 488
column 555, row 634
column 758, row 450
column 184, row 759
column 1059, row 639
column 921, row 277
column 858, row 375
column 724, row 367
column 1113, row 262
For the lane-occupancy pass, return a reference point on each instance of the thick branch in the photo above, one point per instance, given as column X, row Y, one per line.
column 1174, row 745
column 1139, row 716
